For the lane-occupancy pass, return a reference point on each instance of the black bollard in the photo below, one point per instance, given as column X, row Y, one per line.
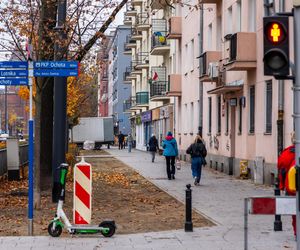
column 188, row 209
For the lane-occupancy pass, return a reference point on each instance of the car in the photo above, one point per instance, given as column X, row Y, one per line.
column 3, row 137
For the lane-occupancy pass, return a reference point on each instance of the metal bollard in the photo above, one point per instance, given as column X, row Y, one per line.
column 188, row 209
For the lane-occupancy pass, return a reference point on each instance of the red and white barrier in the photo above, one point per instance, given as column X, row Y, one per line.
column 82, row 211
column 282, row 205
column 273, row 205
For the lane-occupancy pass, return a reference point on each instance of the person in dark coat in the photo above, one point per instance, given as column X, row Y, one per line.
column 153, row 146
column 121, row 140
column 170, row 152
column 198, row 153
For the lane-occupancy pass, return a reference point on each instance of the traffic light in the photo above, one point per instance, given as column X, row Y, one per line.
column 276, row 46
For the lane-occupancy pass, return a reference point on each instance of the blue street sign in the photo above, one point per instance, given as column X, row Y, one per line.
column 13, row 81
column 14, row 65
column 55, row 72
column 13, row 73
column 55, row 65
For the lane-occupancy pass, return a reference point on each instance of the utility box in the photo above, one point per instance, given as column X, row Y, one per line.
column 259, row 170
column 13, row 159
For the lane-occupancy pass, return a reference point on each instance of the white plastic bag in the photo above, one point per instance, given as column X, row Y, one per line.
column 88, row 145
column 178, row 164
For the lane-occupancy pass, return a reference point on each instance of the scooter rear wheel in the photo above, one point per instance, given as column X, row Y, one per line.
column 111, row 226
column 56, row 231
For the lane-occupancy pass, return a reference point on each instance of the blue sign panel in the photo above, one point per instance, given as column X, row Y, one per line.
column 14, row 65
column 13, row 73
column 14, row 81
column 55, row 65
column 55, row 72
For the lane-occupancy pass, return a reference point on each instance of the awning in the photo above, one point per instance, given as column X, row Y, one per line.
column 225, row 89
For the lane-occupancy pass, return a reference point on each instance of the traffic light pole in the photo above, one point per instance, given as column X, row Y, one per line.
column 297, row 105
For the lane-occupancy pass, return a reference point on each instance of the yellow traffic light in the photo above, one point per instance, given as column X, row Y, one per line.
column 275, row 32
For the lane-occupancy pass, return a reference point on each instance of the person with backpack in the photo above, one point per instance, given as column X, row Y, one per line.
column 198, row 153
column 153, row 146
column 170, row 152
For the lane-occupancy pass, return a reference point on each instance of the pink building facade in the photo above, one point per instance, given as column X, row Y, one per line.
column 240, row 105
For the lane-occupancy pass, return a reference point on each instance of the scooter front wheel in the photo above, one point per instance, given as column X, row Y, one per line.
column 54, row 231
column 111, row 229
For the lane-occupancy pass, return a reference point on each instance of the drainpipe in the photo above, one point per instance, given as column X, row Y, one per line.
column 200, row 127
column 278, row 222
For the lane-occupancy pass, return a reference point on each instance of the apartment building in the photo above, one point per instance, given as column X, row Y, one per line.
column 150, row 105
column 118, row 91
column 103, row 62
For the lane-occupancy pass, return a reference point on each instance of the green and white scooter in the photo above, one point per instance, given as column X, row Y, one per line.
column 107, row 228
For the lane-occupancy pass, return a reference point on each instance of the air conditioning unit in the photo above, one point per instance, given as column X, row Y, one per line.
column 213, row 70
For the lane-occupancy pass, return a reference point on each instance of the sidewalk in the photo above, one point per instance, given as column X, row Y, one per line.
column 220, row 198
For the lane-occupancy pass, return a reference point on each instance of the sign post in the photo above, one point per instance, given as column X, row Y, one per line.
column 31, row 152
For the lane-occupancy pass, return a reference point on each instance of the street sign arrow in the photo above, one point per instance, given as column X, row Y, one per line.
column 55, row 72
column 55, row 65
column 13, row 64
column 13, row 73
column 13, row 81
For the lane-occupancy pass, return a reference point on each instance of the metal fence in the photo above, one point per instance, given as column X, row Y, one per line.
column 3, row 161
column 23, row 153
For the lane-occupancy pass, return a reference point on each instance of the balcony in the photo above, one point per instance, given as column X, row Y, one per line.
column 128, row 76
column 241, row 52
column 135, row 70
column 158, row 84
column 137, row 2
column 142, row 61
column 127, row 20
column 136, row 34
column 130, row 43
column 127, row 105
column 159, row 4
column 174, row 85
column 142, row 22
column 159, row 43
column 142, row 98
column 211, row 1
column 130, row 9
column 127, row 50
column 209, row 66
column 175, row 29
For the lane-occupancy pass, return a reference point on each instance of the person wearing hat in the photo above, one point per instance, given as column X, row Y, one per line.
column 170, row 152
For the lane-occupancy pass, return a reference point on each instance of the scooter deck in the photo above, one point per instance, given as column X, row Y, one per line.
column 86, row 227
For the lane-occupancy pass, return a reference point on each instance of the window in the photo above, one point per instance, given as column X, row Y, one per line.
column 229, row 20
column 238, row 16
column 191, row 55
column 240, row 115
column 185, row 120
column 209, row 114
column 219, row 115
column 219, row 33
column 227, row 118
column 268, row 107
column 252, row 15
column 252, row 109
column 209, row 37
column 186, row 56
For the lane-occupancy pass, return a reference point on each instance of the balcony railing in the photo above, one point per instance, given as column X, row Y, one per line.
column 142, row 21
column 129, row 39
column 127, row 105
column 158, row 88
column 135, row 32
column 127, row 74
column 160, row 31
column 142, row 58
column 142, row 98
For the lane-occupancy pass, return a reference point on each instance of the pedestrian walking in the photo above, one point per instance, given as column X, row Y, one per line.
column 286, row 161
column 129, row 142
column 121, row 140
column 170, row 152
column 153, row 146
column 198, row 153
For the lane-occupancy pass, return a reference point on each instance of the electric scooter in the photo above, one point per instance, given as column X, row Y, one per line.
column 107, row 228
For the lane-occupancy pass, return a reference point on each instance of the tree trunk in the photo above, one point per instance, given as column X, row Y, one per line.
column 44, row 104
